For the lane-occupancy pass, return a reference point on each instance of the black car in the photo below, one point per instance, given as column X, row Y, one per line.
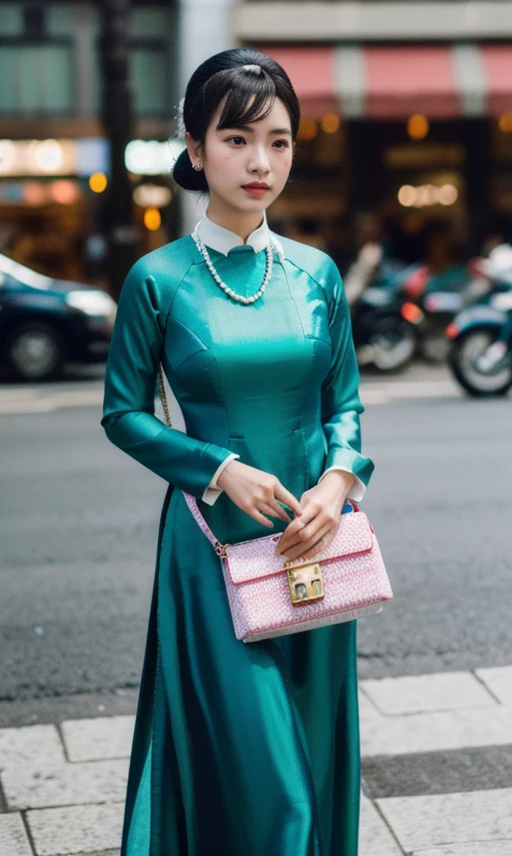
column 45, row 323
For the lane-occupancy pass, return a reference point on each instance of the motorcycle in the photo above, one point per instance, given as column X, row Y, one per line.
column 432, row 301
column 382, row 337
column 404, row 311
column 480, row 354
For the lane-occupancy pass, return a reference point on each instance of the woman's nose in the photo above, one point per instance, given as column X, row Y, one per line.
column 259, row 161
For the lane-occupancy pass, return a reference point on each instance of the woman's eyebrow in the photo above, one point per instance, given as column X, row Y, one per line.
column 248, row 128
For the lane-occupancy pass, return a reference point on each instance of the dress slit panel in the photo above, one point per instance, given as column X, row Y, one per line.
column 141, row 751
column 173, row 774
column 346, row 790
column 168, row 822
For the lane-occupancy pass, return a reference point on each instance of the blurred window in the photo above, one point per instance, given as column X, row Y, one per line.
column 151, row 80
column 12, row 19
column 60, row 19
column 149, row 21
column 41, row 44
column 36, row 79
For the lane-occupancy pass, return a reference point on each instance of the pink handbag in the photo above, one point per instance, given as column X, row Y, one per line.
column 268, row 598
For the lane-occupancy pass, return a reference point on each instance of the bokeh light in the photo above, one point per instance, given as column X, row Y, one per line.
column 33, row 193
column 330, row 123
column 152, row 219
column 505, row 122
column 427, row 194
column 417, row 126
column 64, row 192
column 98, row 182
column 308, row 129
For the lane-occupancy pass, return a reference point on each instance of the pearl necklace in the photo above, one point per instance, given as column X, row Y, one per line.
column 269, row 250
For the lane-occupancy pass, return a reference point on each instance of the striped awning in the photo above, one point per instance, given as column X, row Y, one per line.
column 393, row 82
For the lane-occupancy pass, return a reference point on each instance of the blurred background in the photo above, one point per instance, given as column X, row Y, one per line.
column 407, row 116
column 403, row 169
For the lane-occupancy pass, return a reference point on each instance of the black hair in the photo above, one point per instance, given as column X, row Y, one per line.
column 220, row 77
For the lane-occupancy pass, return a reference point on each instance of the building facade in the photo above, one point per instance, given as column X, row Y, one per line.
column 407, row 109
column 406, row 116
column 54, row 151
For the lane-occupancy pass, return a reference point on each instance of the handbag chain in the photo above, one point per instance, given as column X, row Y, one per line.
column 161, row 387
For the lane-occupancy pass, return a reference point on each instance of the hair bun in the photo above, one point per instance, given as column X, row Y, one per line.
column 186, row 176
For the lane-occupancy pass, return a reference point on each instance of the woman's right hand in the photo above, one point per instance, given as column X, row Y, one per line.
column 256, row 492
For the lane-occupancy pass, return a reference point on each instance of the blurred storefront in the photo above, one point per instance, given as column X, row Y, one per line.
column 407, row 111
column 46, row 201
column 54, row 154
column 407, row 115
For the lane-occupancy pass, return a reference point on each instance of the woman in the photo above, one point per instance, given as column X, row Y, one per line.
column 240, row 749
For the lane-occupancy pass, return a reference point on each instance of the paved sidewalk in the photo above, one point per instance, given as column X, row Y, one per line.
column 63, row 784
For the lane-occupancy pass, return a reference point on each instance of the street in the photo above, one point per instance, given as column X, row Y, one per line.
column 78, row 529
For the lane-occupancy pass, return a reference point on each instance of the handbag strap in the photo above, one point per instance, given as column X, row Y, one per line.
column 191, row 500
column 192, row 504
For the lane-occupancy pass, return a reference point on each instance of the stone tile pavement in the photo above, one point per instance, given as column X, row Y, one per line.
column 63, row 785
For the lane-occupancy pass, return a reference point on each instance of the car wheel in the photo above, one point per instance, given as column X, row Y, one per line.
column 34, row 352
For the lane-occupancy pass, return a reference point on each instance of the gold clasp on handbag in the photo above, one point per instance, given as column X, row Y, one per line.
column 220, row 549
column 305, row 581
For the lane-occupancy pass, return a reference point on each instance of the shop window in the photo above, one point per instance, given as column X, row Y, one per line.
column 12, row 19
column 36, row 79
column 61, row 19
column 151, row 81
column 149, row 22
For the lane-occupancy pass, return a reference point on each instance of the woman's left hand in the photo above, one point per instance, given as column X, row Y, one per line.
column 310, row 533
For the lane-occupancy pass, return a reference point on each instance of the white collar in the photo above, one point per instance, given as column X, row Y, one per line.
column 223, row 240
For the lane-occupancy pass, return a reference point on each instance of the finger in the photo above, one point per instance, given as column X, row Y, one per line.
column 288, row 498
column 298, row 523
column 323, row 542
column 308, row 533
column 278, row 510
column 271, row 509
column 315, row 545
column 289, row 535
column 257, row 515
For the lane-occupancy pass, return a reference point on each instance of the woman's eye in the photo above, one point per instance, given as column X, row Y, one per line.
column 236, row 140
column 282, row 144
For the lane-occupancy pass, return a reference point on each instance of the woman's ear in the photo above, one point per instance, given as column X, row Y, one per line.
column 194, row 150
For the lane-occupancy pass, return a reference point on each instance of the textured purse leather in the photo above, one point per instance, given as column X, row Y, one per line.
column 260, row 590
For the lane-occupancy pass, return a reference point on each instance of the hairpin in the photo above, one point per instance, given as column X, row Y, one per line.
column 180, row 121
column 257, row 68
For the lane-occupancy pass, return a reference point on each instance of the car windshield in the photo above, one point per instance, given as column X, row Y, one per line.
column 23, row 274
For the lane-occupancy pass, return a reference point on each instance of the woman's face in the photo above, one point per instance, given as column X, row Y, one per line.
column 234, row 159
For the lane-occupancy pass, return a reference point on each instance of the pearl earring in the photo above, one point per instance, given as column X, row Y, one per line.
column 196, row 166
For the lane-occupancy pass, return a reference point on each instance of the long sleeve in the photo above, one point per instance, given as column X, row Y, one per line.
column 341, row 404
column 130, row 382
column 213, row 491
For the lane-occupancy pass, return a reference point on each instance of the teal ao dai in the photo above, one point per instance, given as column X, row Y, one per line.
column 239, row 749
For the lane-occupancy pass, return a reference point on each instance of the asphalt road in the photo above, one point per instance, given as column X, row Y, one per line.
column 79, row 522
